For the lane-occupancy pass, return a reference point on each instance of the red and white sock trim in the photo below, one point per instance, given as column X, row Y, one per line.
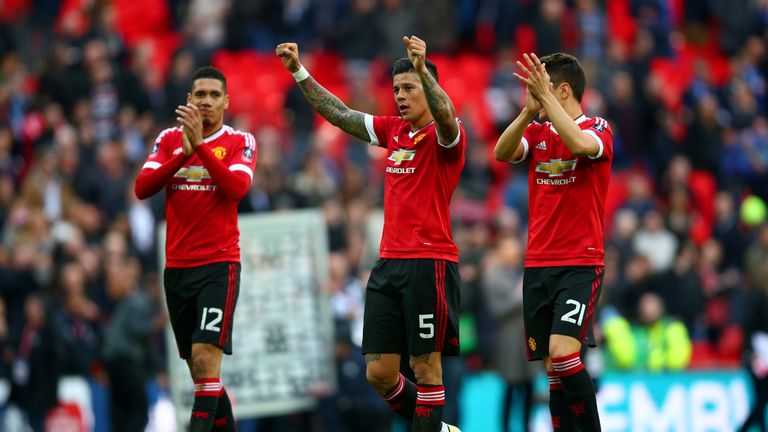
column 398, row 390
column 554, row 381
column 430, row 395
column 568, row 365
column 209, row 387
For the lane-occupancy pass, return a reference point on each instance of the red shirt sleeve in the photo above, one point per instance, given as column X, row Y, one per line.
column 161, row 164
column 601, row 131
column 381, row 126
column 233, row 180
column 531, row 136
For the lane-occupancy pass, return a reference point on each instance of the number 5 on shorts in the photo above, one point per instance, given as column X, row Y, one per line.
column 578, row 308
column 426, row 325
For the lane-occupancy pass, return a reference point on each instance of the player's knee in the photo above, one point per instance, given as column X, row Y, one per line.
column 426, row 373
column 558, row 350
column 380, row 378
column 202, row 364
column 561, row 346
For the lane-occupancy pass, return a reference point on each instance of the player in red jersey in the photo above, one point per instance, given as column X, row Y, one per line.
column 412, row 297
column 205, row 167
column 569, row 167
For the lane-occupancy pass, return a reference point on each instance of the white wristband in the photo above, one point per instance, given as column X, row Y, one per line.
column 301, row 74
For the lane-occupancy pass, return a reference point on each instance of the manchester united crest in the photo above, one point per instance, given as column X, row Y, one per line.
column 219, row 152
column 532, row 343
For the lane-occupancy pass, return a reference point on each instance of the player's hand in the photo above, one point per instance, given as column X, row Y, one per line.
column 289, row 54
column 417, row 53
column 532, row 105
column 537, row 78
column 192, row 123
column 186, row 146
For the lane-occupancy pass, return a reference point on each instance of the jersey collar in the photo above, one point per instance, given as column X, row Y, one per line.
column 215, row 135
column 411, row 134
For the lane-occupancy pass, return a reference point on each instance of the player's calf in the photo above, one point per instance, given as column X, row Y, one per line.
column 382, row 371
column 430, row 393
column 579, row 391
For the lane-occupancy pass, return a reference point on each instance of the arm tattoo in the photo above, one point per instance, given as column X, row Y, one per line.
column 372, row 358
column 421, row 358
column 333, row 109
column 440, row 106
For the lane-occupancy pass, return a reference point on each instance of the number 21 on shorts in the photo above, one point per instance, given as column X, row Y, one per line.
column 578, row 308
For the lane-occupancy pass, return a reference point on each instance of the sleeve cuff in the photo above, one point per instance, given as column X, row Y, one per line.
column 455, row 140
column 244, row 168
column 599, row 143
column 524, row 142
column 151, row 165
column 372, row 138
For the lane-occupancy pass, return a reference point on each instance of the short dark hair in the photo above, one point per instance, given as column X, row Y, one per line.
column 209, row 72
column 565, row 68
column 404, row 65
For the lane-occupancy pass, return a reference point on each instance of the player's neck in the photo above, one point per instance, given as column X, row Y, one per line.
column 573, row 109
column 420, row 123
column 208, row 131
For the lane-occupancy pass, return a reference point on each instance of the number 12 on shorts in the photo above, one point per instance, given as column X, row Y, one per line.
column 212, row 324
column 578, row 308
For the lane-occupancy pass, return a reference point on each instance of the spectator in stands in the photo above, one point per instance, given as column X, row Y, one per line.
column 756, row 258
column 625, row 224
column 656, row 242
column 728, row 231
column 124, row 350
column 548, row 24
column 437, row 23
column 77, row 321
column 38, row 355
column 624, row 109
column 503, row 292
column 591, row 21
column 655, row 342
column 703, row 144
column 397, row 19
column 680, row 214
column 755, row 357
column 360, row 32
column 640, row 197
column 681, row 291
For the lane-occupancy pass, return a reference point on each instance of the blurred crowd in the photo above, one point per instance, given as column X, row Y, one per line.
column 86, row 85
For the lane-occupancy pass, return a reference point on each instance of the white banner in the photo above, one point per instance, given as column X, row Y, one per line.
column 283, row 328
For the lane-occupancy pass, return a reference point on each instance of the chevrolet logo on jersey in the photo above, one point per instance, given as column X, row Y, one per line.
column 193, row 174
column 556, row 167
column 402, row 155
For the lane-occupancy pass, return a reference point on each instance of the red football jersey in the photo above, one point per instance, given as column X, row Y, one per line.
column 201, row 213
column 566, row 196
column 421, row 175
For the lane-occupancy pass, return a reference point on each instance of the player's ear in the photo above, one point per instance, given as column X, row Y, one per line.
column 563, row 90
column 189, row 97
column 226, row 101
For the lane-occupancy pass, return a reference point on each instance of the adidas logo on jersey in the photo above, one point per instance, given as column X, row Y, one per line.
column 541, row 146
